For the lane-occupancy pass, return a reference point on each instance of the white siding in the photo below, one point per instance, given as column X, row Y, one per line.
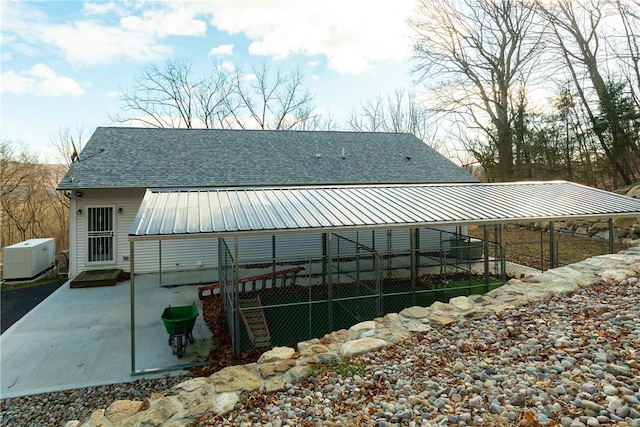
column 202, row 254
column 177, row 255
column 129, row 201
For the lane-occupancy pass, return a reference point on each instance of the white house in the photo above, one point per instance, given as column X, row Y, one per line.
column 108, row 180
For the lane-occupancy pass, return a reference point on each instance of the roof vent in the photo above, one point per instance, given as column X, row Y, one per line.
column 343, row 155
column 408, row 157
column 318, row 155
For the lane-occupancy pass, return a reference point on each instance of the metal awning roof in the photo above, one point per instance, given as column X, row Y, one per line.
column 215, row 212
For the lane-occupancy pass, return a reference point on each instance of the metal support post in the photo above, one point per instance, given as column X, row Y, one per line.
column 329, row 246
column 612, row 237
column 413, row 254
column 377, row 268
column 160, row 261
column 552, row 245
column 501, row 252
column 132, row 298
column 324, row 258
column 236, row 299
column 485, row 236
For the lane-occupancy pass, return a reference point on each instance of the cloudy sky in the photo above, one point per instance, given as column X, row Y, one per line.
column 64, row 62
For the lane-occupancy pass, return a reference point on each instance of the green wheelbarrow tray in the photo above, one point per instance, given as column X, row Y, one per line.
column 179, row 322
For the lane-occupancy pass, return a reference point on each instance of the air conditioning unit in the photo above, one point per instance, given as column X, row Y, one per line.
column 26, row 260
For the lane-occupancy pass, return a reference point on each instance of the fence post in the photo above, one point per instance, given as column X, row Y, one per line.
column 501, row 252
column 485, row 231
column 160, row 262
column 329, row 246
column 611, row 236
column 324, row 259
column 414, row 255
column 378, row 273
column 236, row 298
column 552, row 245
column 132, row 290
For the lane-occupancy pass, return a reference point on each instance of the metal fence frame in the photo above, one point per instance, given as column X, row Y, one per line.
column 374, row 278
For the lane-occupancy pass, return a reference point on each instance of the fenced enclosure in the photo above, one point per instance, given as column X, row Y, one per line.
column 352, row 277
column 541, row 248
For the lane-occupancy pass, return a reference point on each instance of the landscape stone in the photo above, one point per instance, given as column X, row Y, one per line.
column 159, row 412
column 277, row 354
column 121, row 410
column 441, row 320
column 415, row 312
column 362, row 330
column 360, row 346
column 192, row 384
column 235, row 378
column 461, row 303
column 610, row 393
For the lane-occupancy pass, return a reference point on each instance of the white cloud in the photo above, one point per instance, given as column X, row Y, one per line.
column 228, row 66
column 313, row 63
column 251, row 77
column 223, row 49
column 98, row 40
column 351, row 35
column 40, row 80
column 90, row 8
column 6, row 56
column 86, row 43
column 315, row 77
column 113, row 94
column 172, row 21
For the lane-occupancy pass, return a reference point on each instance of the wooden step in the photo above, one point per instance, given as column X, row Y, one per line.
column 255, row 321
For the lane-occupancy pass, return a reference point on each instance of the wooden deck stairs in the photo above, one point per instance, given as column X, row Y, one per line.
column 255, row 322
column 93, row 278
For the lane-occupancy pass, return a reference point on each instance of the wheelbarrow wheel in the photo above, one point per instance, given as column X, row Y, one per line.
column 191, row 340
column 179, row 346
column 170, row 340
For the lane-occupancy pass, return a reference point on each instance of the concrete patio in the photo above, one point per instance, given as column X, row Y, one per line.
column 82, row 337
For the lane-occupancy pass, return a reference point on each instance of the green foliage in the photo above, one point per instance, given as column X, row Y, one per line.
column 343, row 367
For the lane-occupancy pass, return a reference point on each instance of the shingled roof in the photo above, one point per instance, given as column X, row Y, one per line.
column 120, row 157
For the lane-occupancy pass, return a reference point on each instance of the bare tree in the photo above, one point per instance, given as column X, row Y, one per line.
column 271, row 100
column 473, row 54
column 397, row 111
column 172, row 96
column 576, row 30
column 628, row 53
column 68, row 141
column 29, row 205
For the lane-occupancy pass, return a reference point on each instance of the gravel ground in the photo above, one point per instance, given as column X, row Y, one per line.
column 571, row 360
column 55, row 409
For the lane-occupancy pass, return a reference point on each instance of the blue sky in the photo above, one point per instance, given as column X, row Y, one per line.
column 64, row 62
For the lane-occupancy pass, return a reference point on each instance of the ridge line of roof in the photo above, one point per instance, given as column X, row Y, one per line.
column 255, row 130
column 342, row 186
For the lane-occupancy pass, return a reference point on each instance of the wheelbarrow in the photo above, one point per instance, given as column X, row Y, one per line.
column 179, row 321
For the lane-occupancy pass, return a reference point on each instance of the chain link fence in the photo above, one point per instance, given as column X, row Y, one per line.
column 321, row 283
column 529, row 249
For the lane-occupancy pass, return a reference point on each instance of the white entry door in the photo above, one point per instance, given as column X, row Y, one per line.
column 100, row 235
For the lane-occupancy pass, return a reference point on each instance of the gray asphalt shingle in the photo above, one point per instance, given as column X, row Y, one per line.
column 120, row 157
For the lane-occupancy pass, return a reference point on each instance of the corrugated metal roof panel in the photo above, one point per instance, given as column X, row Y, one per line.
column 211, row 211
